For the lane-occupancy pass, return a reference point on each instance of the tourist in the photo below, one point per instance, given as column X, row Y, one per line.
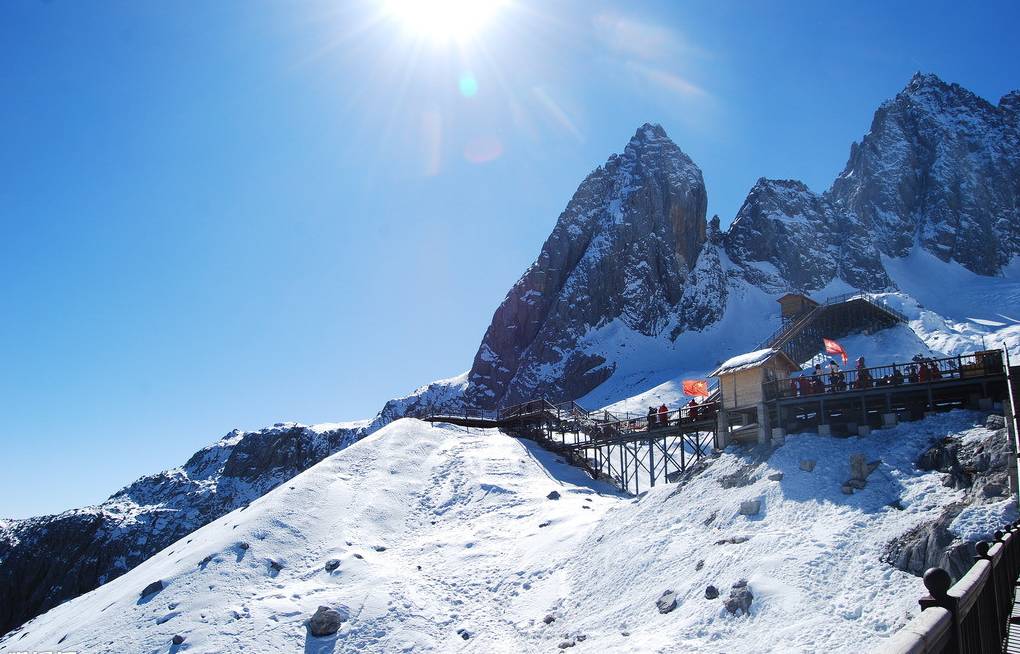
column 897, row 377
column 663, row 416
column 863, row 375
column 837, row 379
column 692, row 410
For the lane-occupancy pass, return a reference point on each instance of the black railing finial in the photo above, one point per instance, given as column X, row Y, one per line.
column 982, row 549
column 937, row 581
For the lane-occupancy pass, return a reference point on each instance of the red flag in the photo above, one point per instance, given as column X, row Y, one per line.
column 696, row 387
column 832, row 347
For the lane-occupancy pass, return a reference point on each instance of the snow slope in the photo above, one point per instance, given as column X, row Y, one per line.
column 471, row 543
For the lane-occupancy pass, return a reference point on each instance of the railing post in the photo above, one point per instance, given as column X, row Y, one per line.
column 938, row 582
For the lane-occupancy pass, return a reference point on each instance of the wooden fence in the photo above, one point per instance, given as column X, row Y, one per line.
column 971, row 616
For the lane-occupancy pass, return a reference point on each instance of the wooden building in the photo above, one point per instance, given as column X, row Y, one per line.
column 795, row 304
column 741, row 378
column 742, row 414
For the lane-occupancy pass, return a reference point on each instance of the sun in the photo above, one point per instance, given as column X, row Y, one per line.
column 444, row 20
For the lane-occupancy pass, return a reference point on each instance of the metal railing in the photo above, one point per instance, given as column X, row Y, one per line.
column 788, row 328
column 919, row 371
column 971, row 616
column 604, row 425
column 870, row 299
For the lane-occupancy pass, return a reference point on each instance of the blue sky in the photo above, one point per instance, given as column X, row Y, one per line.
column 229, row 214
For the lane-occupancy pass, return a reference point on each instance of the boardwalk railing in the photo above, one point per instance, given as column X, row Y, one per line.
column 971, row 616
column 870, row 299
column 963, row 366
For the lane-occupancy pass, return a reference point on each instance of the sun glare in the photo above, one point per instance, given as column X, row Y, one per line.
column 444, row 20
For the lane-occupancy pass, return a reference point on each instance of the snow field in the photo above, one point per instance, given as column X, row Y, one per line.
column 496, row 556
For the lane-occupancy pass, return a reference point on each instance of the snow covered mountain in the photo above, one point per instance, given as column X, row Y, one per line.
column 633, row 290
column 632, row 259
column 425, row 538
column 49, row 559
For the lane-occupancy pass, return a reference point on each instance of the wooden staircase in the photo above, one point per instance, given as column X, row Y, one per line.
column 801, row 337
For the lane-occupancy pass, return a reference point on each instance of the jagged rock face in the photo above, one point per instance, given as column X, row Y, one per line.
column 801, row 239
column 981, row 469
column 622, row 249
column 707, row 288
column 940, row 167
column 50, row 559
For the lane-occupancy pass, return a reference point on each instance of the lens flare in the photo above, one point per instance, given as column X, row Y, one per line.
column 468, row 85
column 483, row 149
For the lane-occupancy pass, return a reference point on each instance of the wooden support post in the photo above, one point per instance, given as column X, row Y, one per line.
column 637, row 468
column 623, row 468
column 651, row 462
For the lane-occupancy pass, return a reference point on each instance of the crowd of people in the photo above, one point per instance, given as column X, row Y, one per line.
column 834, row 380
column 694, row 412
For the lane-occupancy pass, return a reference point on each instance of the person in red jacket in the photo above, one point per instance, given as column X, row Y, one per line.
column 663, row 416
column 692, row 410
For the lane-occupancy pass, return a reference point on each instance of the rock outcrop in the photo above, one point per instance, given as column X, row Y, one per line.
column 980, row 468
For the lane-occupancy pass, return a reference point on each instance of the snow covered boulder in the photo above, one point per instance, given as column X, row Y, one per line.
column 860, row 467
column 711, row 592
column 553, row 496
column 776, row 476
column 995, row 422
column 177, row 639
column 152, row 589
column 325, row 622
column 332, row 565
column 750, row 507
column 739, row 602
column 807, row 465
column 667, row 602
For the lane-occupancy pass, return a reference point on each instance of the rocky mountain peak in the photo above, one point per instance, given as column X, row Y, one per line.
column 937, row 170
column 650, row 132
column 1010, row 102
column 622, row 250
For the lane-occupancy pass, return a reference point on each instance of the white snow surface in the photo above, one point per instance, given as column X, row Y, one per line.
column 743, row 361
column 460, row 515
